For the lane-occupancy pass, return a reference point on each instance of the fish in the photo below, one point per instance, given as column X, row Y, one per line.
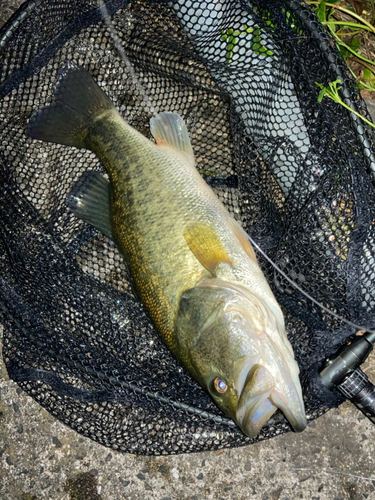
column 192, row 265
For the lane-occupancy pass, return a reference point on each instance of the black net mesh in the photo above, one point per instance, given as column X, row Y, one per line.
column 297, row 174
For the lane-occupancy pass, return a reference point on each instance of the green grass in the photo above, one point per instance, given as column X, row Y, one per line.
column 352, row 27
column 332, row 92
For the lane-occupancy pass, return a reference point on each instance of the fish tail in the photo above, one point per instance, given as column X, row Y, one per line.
column 78, row 102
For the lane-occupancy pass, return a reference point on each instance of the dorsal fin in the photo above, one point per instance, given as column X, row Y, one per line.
column 89, row 199
column 169, row 129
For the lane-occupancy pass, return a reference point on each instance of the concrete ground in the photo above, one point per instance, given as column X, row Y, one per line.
column 333, row 459
column 40, row 458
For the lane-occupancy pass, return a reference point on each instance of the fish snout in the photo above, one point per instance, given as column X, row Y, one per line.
column 254, row 406
column 292, row 407
column 260, row 399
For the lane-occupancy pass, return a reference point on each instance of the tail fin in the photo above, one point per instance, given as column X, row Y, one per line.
column 78, row 101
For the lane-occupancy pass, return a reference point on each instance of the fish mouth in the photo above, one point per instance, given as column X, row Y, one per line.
column 260, row 399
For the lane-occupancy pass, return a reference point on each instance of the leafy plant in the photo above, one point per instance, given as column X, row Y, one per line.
column 352, row 33
column 232, row 36
column 332, row 92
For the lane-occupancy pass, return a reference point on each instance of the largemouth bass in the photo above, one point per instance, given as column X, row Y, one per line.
column 191, row 263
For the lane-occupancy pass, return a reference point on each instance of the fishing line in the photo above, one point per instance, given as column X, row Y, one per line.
column 124, row 57
column 331, row 471
column 118, row 44
column 293, row 283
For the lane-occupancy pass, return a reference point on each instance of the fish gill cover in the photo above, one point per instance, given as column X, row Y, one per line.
column 295, row 172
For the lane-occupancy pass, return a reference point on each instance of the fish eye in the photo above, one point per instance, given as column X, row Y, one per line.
column 220, row 385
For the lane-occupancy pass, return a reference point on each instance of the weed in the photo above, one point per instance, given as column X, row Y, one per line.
column 352, row 27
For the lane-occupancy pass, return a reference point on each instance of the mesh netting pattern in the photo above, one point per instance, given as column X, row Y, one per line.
column 296, row 173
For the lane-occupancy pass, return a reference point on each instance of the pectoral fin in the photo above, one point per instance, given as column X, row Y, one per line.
column 206, row 245
column 89, row 200
column 169, row 130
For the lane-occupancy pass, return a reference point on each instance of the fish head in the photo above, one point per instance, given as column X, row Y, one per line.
column 236, row 347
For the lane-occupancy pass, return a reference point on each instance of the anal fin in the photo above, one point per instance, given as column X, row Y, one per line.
column 89, row 199
column 169, row 130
